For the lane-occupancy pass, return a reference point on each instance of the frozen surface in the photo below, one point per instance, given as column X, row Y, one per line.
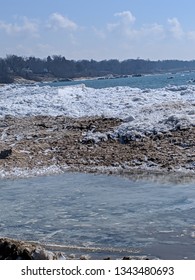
column 37, row 171
column 142, row 110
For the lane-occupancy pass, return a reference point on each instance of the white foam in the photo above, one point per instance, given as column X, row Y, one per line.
column 142, row 110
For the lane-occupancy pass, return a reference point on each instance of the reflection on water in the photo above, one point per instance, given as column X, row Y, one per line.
column 88, row 210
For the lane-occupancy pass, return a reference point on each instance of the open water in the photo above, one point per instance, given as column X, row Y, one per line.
column 99, row 211
column 143, row 82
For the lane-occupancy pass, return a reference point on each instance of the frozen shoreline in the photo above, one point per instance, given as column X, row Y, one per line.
column 44, row 145
column 115, row 130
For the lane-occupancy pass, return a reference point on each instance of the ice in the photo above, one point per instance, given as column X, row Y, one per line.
column 142, row 110
column 21, row 172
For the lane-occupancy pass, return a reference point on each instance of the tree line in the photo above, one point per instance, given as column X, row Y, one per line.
column 58, row 67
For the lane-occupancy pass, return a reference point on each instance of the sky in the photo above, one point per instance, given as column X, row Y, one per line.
column 98, row 29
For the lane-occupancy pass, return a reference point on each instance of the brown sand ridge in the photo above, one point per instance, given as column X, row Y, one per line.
column 43, row 141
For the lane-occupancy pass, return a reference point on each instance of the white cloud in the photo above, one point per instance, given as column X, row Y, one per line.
column 155, row 30
column 176, row 28
column 125, row 27
column 126, row 17
column 58, row 21
column 27, row 27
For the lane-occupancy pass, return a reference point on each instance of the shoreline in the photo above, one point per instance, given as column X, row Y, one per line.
column 41, row 145
column 13, row 249
column 46, row 145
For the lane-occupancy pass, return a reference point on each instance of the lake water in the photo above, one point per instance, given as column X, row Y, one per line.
column 100, row 211
column 144, row 82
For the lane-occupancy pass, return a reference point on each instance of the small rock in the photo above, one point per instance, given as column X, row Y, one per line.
column 11, row 249
column 5, row 153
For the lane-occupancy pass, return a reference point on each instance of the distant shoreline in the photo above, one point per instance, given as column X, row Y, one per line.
column 57, row 67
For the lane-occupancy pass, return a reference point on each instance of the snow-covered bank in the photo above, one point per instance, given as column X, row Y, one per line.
column 148, row 109
column 78, row 127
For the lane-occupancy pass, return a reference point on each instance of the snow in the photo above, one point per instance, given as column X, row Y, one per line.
column 142, row 110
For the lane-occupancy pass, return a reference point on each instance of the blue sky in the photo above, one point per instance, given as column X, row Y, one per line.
column 98, row 29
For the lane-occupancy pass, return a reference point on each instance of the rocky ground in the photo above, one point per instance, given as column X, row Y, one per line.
column 87, row 144
column 11, row 249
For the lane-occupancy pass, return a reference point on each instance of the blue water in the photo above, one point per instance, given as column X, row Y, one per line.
column 75, row 209
column 145, row 81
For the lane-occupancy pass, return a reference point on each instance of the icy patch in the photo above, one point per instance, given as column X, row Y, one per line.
column 26, row 172
column 142, row 110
